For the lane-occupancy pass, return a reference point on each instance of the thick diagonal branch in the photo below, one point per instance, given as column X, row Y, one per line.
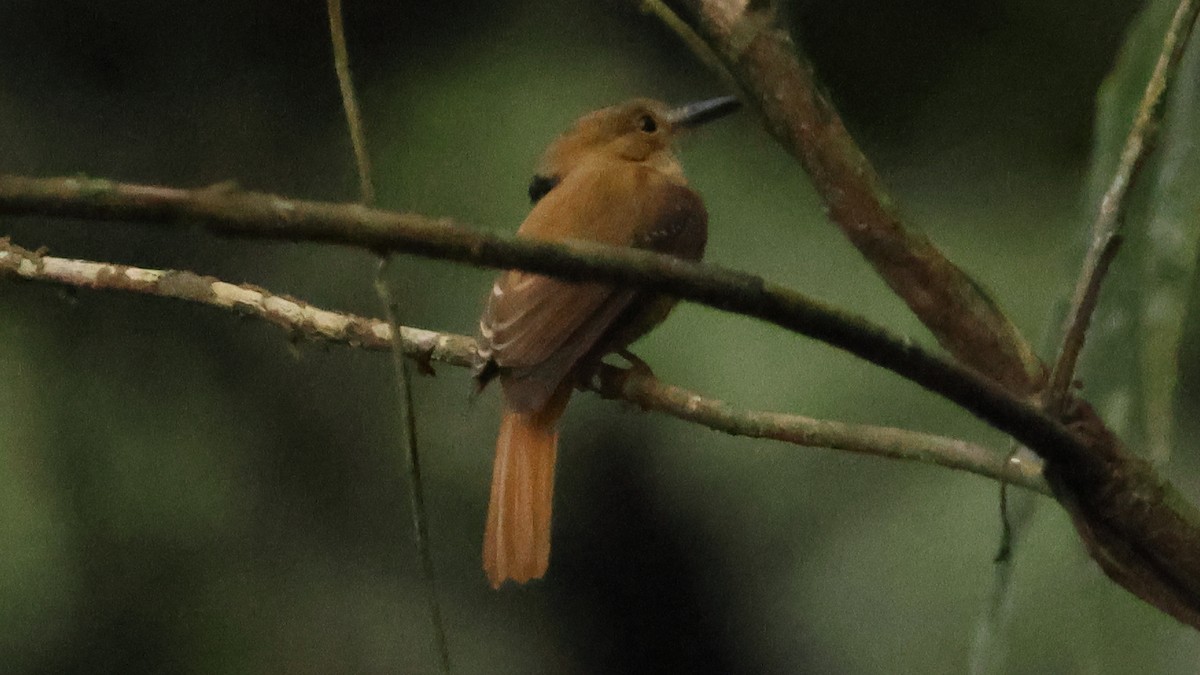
column 1143, row 535
column 961, row 315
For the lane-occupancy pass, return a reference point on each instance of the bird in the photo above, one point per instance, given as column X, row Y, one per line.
column 613, row 178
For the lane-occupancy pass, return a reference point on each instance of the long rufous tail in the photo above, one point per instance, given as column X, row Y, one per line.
column 516, row 540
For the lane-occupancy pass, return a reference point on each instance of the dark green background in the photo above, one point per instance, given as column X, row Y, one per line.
column 185, row 491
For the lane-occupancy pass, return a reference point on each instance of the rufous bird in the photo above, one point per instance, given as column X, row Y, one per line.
column 614, row 179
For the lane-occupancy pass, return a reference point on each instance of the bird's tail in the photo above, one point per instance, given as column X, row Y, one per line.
column 516, row 541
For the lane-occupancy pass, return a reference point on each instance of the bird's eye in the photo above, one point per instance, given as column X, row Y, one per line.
column 539, row 186
column 647, row 124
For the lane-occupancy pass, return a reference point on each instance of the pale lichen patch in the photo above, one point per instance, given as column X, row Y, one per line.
column 236, row 297
column 182, row 284
column 284, row 308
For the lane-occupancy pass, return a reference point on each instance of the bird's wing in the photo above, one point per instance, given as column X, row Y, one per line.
column 536, row 328
column 538, row 343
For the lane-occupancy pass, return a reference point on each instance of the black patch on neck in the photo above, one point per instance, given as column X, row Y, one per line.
column 539, row 186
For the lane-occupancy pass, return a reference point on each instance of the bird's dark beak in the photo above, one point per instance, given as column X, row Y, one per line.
column 695, row 114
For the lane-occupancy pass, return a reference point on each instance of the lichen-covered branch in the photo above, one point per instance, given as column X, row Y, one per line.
column 303, row 321
column 781, row 82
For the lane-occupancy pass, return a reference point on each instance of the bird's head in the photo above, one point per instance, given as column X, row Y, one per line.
column 640, row 131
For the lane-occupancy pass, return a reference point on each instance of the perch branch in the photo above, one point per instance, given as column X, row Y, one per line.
column 253, row 215
column 781, row 82
column 303, row 321
column 1106, row 230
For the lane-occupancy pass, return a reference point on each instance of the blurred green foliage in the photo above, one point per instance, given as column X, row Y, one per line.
column 181, row 490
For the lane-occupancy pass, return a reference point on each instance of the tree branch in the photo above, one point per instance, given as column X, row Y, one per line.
column 961, row 315
column 303, row 321
column 888, row 442
column 253, row 215
column 1106, row 230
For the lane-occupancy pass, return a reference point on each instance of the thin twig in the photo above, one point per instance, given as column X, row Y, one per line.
column 308, row 323
column 341, row 63
column 403, row 378
column 408, row 423
column 991, row 643
column 699, row 48
column 1106, row 230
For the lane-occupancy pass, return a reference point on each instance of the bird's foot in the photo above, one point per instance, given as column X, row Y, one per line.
column 636, row 365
